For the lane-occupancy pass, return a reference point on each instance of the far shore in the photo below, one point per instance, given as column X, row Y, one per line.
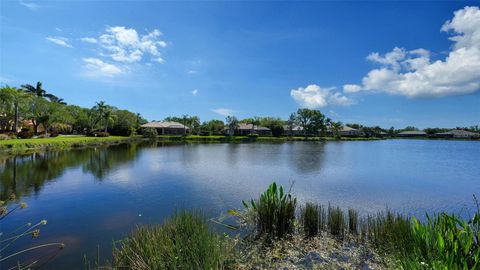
column 27, row 146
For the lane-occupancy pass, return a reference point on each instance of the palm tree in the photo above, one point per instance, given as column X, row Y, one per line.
column 105, row 113
column 336, row 128
column 55, row 99
column 38, row 90
column 185, row 123
column 232, row 123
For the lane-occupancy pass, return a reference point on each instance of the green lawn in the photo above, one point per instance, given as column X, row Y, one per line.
column 18, row 146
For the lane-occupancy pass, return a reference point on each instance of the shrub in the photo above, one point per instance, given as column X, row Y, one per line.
column 98, row 134
column 149, row 132
column 312, row 218
column 25, row 133
column 275, row 212
column 4, row 137
column 54, row 133
column 336, row 221
column 184, row 241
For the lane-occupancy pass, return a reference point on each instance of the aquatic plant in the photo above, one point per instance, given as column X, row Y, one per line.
column 336, row 222
column 444, row 242
column 275, row 211
column 352, row 221
column 183, row 241
column 8, row 240
column 312, row 219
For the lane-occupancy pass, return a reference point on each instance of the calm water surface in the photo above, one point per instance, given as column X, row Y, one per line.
column 92, row 196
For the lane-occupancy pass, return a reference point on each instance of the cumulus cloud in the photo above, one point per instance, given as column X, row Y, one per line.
column 314, row 96
column 223, row 111
column 89, row 40
column 59, row 41
column 413, row 73
column 95, row 67
column 126, row 45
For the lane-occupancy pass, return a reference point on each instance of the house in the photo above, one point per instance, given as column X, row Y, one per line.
column 344, row 131
column 348, row 131
column 412, row 133
column 458, row 133
column 246, row 129
column 293, row 130
column 167, row 128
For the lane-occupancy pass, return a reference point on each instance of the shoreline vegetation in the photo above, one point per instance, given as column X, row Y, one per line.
column 274, row 232
column 32, row 145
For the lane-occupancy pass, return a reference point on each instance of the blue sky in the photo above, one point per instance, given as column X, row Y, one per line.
column 385, row 63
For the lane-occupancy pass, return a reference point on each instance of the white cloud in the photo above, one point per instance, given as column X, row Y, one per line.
column 313, row 96
column 351, row 88
column 191, row 72
column 30, row 5
column 126, row 45
column 194, row 92
column 413, row 74
column 223, row 111
column 158, row 60
column 59, row 41
column 89, row 40
column 97, row 68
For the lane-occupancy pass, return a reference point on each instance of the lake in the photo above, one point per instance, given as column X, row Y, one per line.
column 94, row 196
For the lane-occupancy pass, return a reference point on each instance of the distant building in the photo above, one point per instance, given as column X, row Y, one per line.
column 458, row 133
column 348, row 131
column 295, row 130
column 246, row 129
column 412, row 133
column 167, row 128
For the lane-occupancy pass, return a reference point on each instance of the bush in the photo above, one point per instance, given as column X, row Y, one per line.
column 8, row 136
column 25, row 133
column 98, row 134
column 54, row 133
column 184, row 241
column 149, row 132
column 312, row 218
column 275, row 212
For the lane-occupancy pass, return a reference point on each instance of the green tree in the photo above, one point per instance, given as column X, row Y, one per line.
column 336, row 128
column 212, row 127
column 11, row 100
column 232, row 124
column 311, row 121
column 35, row 90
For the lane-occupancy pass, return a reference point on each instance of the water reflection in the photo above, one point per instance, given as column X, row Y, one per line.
column 24, row 175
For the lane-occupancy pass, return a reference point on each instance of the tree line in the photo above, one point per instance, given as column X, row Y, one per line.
column 30, row 106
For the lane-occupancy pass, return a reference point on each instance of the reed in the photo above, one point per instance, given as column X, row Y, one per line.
column 336, row 222
column 353, row 221
column 184, row 241
column 310, row 216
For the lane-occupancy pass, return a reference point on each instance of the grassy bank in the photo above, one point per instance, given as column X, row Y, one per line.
column 24, row 146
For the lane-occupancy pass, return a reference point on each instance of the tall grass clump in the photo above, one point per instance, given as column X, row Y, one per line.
column 353, row 221
column 390, row 232
column 274, row 212
column 184, row 241
column 336, row 222
column 312, row 219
